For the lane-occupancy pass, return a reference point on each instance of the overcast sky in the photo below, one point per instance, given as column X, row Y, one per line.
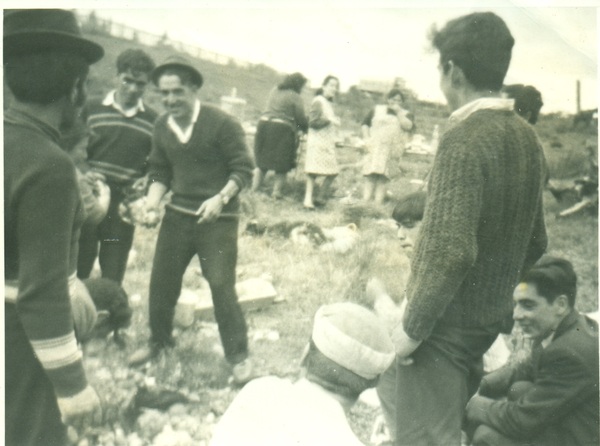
column 554, row 47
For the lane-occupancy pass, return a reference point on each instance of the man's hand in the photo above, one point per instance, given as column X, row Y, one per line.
column 477, row 408
column 404, row 344
column 102, row 192
column 82, row 410
column 210, row 209
column 91, row 177
column 151, row 216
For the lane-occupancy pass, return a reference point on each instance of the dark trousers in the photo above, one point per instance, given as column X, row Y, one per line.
column 179, row 239
column 110, row 241
column 32, row 416
column 488, row 436
column 425, row 403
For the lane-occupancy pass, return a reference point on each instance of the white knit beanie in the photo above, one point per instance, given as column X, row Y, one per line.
column 354, row 338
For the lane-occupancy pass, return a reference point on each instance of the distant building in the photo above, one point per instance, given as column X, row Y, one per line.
column 377, row 88
column 374, row 86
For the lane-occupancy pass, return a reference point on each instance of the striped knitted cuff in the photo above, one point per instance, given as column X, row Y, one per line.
column 61, row 359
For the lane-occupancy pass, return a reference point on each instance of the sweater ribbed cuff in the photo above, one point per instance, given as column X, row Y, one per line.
column 417, row 328
column 239, row 180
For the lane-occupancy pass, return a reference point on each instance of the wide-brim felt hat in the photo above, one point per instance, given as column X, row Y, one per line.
column 177, row 61
column 30, row 31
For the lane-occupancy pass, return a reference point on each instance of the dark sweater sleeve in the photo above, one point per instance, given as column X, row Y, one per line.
column 497, row 383
column 45, row 217
column 316, row 118
column 447, row 245
column 232, row 141
column 159, row 166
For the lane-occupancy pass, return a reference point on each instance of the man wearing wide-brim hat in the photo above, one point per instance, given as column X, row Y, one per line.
column 200, row 154
column 46, row 62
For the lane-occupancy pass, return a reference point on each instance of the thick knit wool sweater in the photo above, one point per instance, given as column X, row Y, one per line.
column 199, row 169
column 42, row 215
column 483, row 224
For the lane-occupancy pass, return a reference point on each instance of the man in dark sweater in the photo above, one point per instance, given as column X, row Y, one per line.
column 551, row 399
column 120, row 139
column 199, row 153
column 483, row 227
column 46, row 62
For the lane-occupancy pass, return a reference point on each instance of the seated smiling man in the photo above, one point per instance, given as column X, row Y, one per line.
column 552, row 398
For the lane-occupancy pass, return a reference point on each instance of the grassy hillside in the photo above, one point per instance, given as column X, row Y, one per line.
column 252, row 83
column 565, row 147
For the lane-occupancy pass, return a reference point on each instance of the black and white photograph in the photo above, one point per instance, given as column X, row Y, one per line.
column 300, row 223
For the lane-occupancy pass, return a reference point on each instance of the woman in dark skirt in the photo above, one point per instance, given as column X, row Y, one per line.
column 276, row 140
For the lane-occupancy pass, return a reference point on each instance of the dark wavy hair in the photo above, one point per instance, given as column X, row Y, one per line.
column 135, row 60
column 294, row 81
column 185, row 75
column 327, row 79
column 43, row 78
column 528, row 100
column 553, row 277
column 480, row 44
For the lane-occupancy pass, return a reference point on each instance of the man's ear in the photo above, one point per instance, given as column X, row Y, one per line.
column 78, row 93
column 73, row 94
column 562, row 302
column 457, row 77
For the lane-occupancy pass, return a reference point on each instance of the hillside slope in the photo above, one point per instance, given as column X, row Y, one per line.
column 252, row 83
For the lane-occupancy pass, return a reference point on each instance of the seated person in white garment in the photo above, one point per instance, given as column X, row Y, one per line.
column 348, row 350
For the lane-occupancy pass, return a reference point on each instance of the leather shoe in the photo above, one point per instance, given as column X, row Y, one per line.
column 143, row 355
column 242, row 372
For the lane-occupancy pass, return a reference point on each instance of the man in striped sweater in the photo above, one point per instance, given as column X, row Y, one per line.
column 483, row 227
column 46, row 63
column 120, row 138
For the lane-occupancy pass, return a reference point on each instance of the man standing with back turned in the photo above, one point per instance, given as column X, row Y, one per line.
column 483, row 228
column 199, row 153
column 46, row 62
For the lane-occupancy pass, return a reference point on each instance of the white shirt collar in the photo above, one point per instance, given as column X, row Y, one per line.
column 111, row 100
column 184, row 135
column 547, row 340
column 481, row 104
